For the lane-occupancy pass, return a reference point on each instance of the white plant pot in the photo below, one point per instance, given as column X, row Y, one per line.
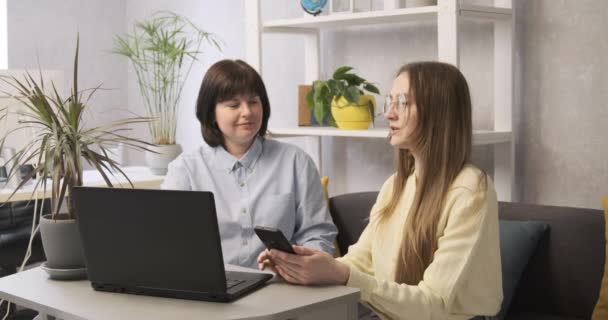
column 158, row 162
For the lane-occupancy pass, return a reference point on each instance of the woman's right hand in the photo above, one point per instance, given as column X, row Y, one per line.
column 309, row 266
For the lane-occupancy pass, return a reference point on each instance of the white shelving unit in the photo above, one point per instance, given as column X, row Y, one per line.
column 447, row 14
column 480, row 137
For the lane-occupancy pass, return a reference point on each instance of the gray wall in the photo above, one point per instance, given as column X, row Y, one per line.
column 560, row 112
column 562, row 117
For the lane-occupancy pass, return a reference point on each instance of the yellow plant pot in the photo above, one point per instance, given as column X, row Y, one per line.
column 352, row 116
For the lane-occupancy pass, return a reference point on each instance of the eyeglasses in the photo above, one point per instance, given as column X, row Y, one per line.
column 401, row 100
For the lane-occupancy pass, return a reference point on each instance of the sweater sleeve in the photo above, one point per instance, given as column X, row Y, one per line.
column 359, row 255
column 464, row 279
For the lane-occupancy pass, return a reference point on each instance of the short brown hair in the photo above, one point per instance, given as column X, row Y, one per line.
column 223, row 81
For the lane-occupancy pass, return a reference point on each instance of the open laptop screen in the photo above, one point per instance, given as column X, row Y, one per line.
column 161, row 239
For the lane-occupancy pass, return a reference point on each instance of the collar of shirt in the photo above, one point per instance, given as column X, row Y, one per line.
column 229, row 162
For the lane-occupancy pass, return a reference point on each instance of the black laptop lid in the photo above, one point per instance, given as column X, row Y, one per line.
column 161, row 239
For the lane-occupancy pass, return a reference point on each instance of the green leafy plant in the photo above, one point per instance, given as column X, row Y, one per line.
column 61, row 141
column 162, row 51
column 344, row 83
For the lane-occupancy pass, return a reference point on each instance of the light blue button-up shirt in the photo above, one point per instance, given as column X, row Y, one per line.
column 274, row 185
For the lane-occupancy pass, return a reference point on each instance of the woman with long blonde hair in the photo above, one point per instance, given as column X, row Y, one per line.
column 431, row 248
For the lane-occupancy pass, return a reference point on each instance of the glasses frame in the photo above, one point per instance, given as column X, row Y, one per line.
column 401, row 101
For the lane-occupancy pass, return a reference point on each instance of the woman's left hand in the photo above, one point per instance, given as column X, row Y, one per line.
column 309, row 266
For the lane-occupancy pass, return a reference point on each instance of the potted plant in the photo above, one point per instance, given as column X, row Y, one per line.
column 344, row 95
column 162, row 51
column 58, row 149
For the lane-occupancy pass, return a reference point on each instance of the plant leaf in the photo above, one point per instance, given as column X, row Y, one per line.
column 319, row 112
column 341, row 70
column 334, row 87
column 372, row 112
column 371, row 88
column 331, row 121
column 341, row 86
column 310, row 99
column 352, row 95
column 352, row 79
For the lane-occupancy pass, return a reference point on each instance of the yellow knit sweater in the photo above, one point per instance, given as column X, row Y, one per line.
column 464, row 280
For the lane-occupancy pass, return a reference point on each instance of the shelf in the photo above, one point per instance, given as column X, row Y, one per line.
column 311, row 24
column 480, row 137
column 447, row 15
column 485, row 12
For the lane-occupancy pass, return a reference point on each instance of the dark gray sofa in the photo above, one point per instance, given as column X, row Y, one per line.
column 563, row 276
column 15, row 229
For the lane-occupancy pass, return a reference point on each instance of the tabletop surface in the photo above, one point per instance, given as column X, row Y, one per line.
column 77, row 300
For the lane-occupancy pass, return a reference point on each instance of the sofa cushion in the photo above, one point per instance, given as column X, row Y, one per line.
column 601, row 308
column 564, row 274
column 350, row 213
column 518, row 241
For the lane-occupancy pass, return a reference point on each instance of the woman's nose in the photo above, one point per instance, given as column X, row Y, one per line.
column 389, row 114
column 245, row 108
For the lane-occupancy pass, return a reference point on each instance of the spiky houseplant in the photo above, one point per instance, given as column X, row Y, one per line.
column 162, row 51
column 62, row 142
column 344, row 83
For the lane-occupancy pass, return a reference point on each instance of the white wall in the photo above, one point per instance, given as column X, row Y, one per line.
column 43, row 33
column 3, row 36
column 50, row 28
column 560, row 109
column 223, row 18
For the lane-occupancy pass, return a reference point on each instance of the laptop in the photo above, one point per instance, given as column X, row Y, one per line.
column 157, row 242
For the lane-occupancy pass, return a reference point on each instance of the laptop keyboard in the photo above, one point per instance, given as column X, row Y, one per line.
column 232, row 280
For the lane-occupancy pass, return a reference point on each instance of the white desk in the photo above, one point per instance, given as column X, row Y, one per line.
column 77, row 300
column 140, row 176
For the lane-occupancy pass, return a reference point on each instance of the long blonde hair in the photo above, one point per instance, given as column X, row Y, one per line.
column 443, row 142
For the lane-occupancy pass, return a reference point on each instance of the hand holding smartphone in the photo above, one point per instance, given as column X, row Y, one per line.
column 274, row 239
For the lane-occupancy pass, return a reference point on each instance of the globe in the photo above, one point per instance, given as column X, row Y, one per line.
column 313, row 6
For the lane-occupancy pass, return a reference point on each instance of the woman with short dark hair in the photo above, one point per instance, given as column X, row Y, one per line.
column 223, row 81
column 255, row 181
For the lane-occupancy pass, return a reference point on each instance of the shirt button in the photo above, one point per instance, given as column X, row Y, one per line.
column 243, row 211
column 242, row 184
column 244, row 242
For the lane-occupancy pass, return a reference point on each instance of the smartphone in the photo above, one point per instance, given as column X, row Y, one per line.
column 274, row 239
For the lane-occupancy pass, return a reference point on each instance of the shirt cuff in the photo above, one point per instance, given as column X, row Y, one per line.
column 362, row 281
